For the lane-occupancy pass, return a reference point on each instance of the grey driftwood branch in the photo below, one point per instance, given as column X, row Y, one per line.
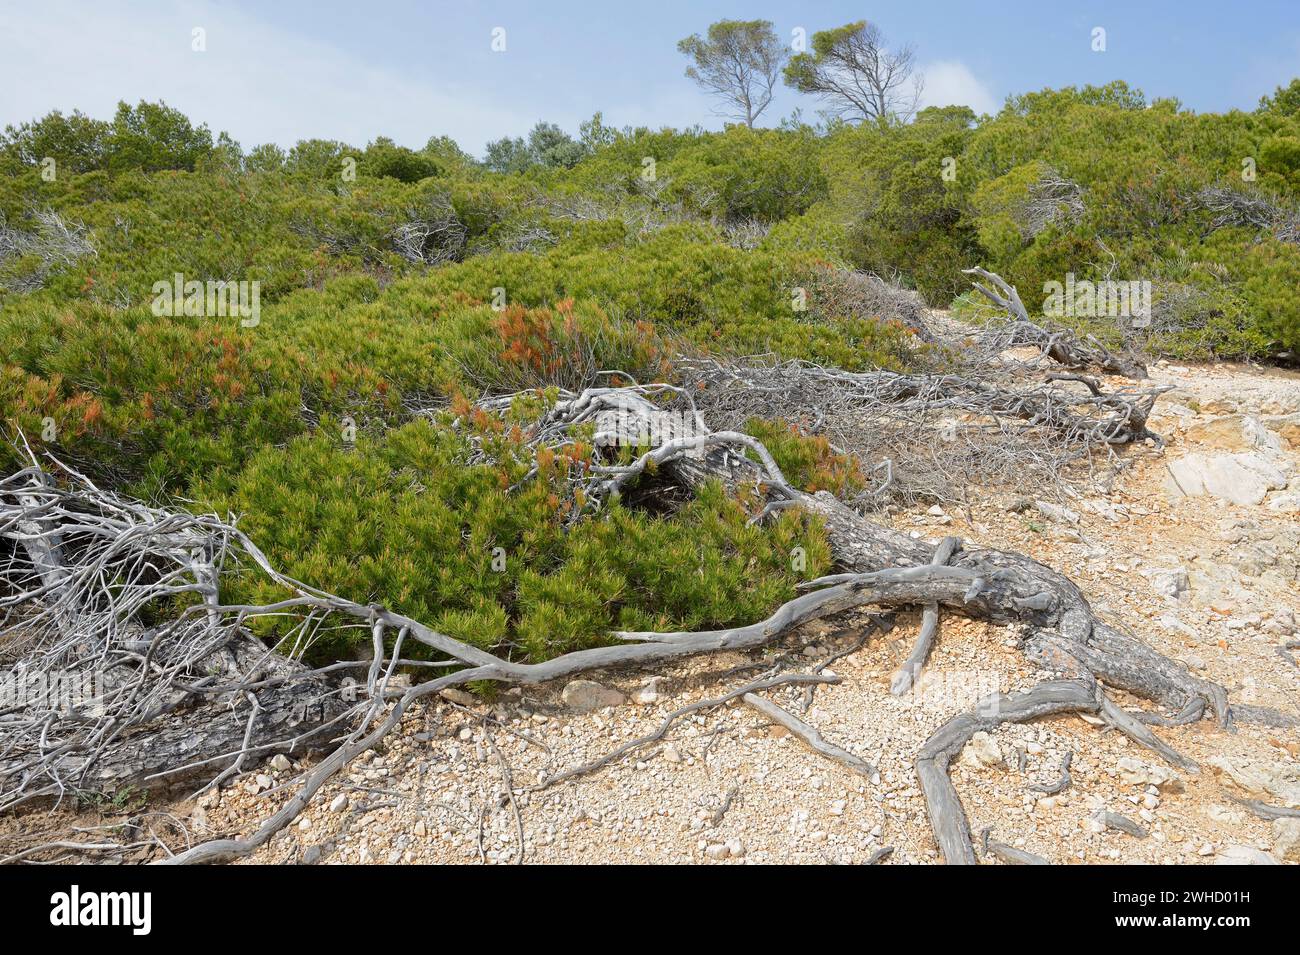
column 1060, row 345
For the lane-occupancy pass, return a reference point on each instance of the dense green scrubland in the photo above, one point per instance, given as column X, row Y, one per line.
column 397, row 285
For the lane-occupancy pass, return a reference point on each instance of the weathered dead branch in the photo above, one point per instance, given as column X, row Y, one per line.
column 809, row 736
column 50, row 245
column 977, row 431
column 431, row 235
column 947, row 818
column 1120, row 823
column 906, row 676
column 1250, row 209
column 1008, row 854
column 1063, row 781
column 1060, row 345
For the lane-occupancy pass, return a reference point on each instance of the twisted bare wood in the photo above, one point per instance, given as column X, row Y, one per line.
column 1060, row 345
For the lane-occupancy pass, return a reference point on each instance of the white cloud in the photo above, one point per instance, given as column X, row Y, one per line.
column 951, row 83
column 258, row 82
column 266, row 83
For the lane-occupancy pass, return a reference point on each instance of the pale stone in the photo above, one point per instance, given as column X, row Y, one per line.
column 1237, row 478
column 585, row 695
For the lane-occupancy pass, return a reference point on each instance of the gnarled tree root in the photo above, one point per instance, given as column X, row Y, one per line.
column 947, row 818
column 1051, row 698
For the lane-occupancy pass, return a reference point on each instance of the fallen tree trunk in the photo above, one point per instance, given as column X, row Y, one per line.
column 94, row 700
column 196, row 741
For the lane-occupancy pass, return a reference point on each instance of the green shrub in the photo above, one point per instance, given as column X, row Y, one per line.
column 1269, row 273
column 808, row 462
column 385, row 159
column 401, row 520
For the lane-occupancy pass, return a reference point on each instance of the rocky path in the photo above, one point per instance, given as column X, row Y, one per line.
column 1196, row 548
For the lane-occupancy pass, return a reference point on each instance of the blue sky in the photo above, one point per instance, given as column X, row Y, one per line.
column 355, row 70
